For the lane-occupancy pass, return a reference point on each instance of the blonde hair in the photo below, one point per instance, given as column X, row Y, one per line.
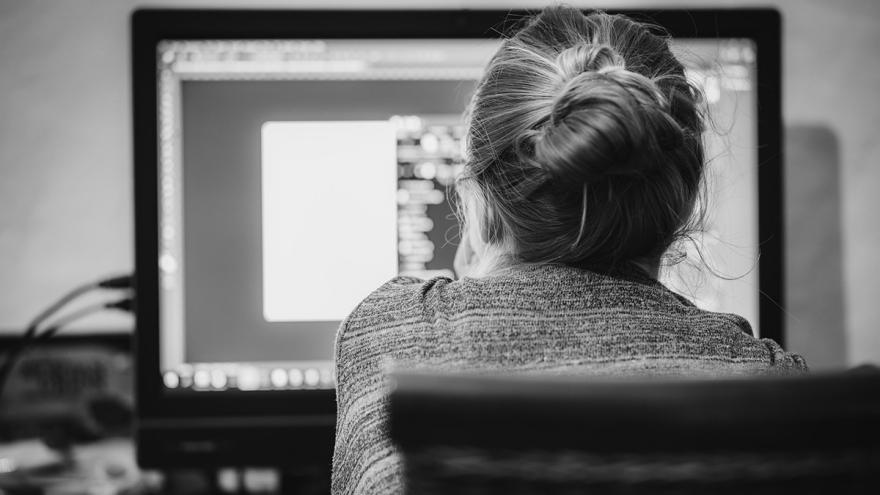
column 584, row 143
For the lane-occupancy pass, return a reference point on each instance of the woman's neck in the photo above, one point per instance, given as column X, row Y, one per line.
column 650, row 267
column 494, row 260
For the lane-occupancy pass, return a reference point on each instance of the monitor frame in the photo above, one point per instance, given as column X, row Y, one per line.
column 278, row 419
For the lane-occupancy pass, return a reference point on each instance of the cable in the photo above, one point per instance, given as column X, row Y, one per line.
column 123, row 304
column 31, row 329
column 118, row 282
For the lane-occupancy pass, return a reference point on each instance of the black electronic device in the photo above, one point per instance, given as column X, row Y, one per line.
column 574, row 434
column 287, row 162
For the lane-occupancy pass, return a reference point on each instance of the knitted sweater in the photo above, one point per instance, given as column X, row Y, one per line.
column 534, row 319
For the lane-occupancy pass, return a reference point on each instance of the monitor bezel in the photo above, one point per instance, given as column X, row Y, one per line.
column 150, row 26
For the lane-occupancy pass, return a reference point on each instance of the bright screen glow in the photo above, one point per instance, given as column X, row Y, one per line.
column 315, row 244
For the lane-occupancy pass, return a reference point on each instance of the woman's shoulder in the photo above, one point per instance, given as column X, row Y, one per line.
column 783, row 362
column 401, row 298
column 387, row 315
column 728, row 339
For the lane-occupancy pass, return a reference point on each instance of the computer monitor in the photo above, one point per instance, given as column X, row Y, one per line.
column 287, row 163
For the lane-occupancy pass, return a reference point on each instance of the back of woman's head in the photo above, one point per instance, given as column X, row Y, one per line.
column 584, row 143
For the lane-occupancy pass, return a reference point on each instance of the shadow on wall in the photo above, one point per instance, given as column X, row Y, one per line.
column 814, row 254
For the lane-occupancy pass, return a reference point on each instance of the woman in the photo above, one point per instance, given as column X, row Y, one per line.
column 585, row 158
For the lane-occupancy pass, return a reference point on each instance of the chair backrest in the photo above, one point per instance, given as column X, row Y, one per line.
column 506, row 434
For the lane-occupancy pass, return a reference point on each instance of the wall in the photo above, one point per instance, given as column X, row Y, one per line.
column 65, row 157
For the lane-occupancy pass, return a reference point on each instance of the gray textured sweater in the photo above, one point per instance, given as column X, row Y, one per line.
column 535, row 319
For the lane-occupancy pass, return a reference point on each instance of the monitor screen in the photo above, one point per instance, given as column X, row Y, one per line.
column 297, row 176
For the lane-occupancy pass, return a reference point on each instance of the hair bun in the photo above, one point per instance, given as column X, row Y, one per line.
column 588, row 57
column 606, row 122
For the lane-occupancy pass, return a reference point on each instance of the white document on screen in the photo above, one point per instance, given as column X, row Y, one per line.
column 329, row 216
